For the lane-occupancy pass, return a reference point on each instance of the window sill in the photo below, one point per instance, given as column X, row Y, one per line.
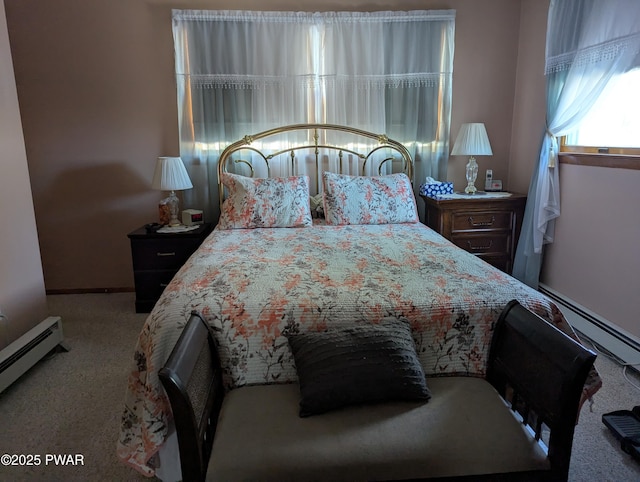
column 616, row 161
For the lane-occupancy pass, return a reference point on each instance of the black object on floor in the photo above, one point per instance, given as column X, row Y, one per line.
column 625, row 425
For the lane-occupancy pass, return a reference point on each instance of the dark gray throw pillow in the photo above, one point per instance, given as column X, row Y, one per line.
column 361, row 364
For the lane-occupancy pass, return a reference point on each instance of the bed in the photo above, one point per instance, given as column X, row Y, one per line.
column 271, row 268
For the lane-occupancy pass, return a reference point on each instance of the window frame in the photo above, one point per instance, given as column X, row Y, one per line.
column 610, row 157
column 593, row 158
column 612, row 151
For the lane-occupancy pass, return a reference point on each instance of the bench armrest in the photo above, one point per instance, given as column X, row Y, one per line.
column 541, row 372
column 192, row 379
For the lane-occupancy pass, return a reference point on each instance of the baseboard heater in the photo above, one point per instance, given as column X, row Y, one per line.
column 621, row 344
column 26, row 351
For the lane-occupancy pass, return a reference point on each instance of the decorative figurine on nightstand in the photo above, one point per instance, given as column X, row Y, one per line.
column 472, row 141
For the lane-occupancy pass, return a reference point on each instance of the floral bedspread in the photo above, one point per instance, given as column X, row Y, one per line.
column 256, row 285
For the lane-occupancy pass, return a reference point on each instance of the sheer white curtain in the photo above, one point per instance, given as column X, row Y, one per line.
column 243, row 72
column 588, row 43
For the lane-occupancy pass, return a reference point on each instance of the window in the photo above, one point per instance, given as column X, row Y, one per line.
column 613, row 124
column 242, row 72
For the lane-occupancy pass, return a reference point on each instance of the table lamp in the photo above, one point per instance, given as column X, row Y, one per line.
column 171, row 175
column 472, row 141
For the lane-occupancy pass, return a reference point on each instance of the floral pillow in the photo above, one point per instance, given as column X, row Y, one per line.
column 368, row 200
column 265, row 202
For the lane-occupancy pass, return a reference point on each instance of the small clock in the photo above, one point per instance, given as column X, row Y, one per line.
column 191, row 217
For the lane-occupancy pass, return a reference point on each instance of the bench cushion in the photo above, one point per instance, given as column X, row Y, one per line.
column 465, row 429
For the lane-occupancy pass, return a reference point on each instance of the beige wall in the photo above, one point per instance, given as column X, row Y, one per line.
column 594, row 258
column 22, row 294
column 98, row 103
column 529, row 103
column 484, row 72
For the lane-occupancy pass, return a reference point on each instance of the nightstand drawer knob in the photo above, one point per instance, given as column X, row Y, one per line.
column 482, row 223
column 480, row 248
column 173, row 253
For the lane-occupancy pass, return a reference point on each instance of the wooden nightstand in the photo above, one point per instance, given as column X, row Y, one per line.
column 485, row 226
column 157, row 258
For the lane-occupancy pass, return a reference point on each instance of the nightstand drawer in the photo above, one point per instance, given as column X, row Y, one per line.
column 496, row 243
column 151, row 284
column 473, row 220
column 157, row 257
column 162, row 254
column 487, row 226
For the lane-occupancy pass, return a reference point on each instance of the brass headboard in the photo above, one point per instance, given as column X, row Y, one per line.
column 316, row 140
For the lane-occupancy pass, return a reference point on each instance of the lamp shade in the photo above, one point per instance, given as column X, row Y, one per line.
column 472, row 140
column 170, row 175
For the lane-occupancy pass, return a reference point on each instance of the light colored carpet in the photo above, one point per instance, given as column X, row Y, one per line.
column 71, row 403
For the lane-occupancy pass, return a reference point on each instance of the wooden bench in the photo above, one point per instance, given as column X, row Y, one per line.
column 517, row 424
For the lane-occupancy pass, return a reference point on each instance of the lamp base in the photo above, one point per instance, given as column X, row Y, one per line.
column 471, row 173
column 173, row 204
column 470, row 189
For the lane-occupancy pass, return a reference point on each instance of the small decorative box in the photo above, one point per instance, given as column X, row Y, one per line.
column 436, row 189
